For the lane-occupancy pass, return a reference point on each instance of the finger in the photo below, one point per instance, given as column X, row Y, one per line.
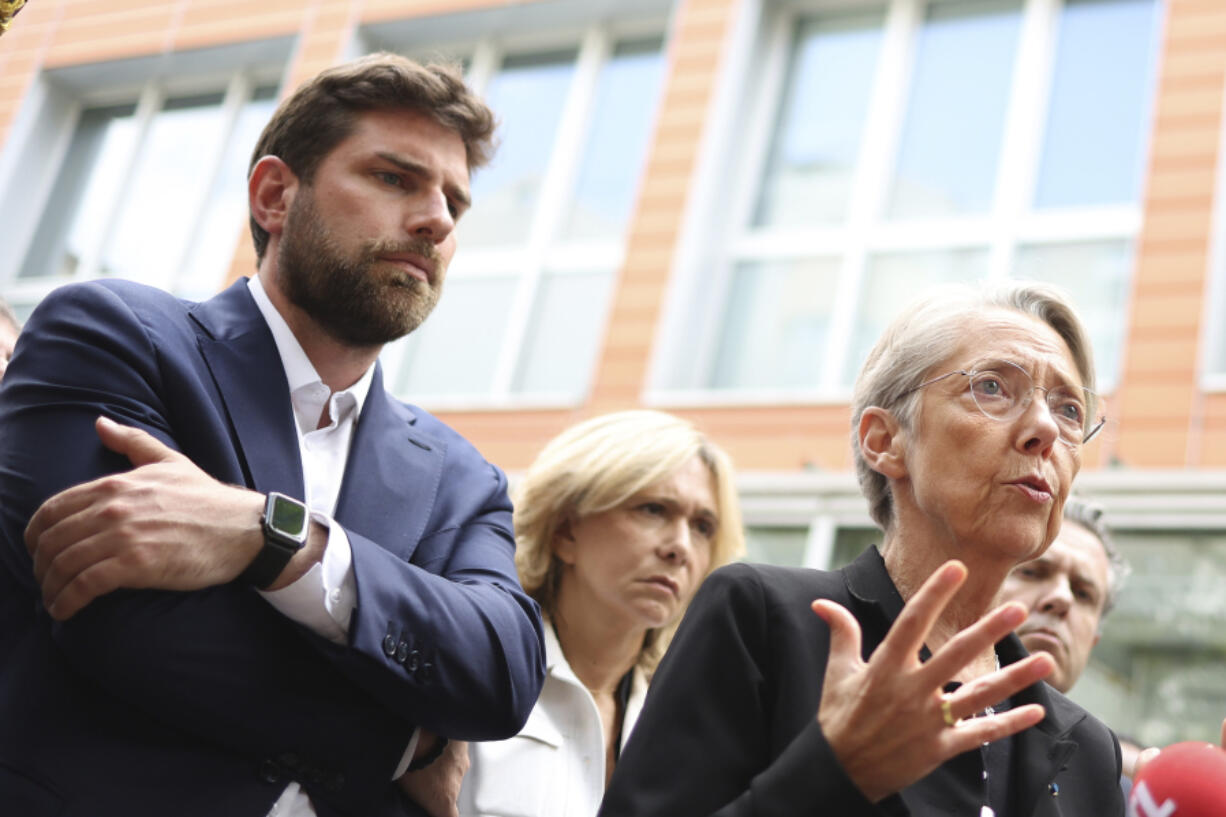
column 55, row 510
column 959, row 650
column 1145, row 757
column 973, row 733
column 977, row 695
column 919, row 614
column 844, row 630
column 140, row 447
column 96, row 580
column 56, row 574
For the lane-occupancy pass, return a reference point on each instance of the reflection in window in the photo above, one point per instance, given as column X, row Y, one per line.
column 213, row 245
column 894, row 281
column 955, row 119
column 528, row 95
column 548, row 224
column 562, row 338
column 616, row 142
column 1100, row 91
column 1096, row 274
column 164, row 188
column 776, row 545
column 1157, row 672
column 775, row 326
column 154, row 193
column 458, row 354
column 816, row 142
column 77, row 212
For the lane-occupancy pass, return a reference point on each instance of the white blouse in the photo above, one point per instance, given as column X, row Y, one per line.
column 555, row 766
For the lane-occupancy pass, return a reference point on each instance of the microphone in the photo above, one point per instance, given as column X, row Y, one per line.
column 1185, row 780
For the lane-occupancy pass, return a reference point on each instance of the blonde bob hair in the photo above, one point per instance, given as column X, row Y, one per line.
column 596, row 466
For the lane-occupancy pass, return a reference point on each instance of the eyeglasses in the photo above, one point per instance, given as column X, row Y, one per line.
column 1003, row 391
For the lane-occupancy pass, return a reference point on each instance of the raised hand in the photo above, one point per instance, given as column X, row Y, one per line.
column 884, row 719
column 165, row 524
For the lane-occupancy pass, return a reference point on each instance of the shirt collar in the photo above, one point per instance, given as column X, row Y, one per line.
column 299, row 371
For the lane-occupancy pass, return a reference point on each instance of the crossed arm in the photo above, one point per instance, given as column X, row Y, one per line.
column 136, row 565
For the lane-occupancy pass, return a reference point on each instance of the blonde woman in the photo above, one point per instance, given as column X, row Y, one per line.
column 617, row 522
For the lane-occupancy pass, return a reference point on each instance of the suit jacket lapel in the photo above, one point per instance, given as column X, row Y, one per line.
column 392, row 476
column 242, row 357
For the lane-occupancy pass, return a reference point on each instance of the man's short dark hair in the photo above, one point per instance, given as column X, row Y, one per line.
column 322, row 113
column 1090, row 516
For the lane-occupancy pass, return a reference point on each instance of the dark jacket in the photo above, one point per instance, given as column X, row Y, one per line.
column 730, row 727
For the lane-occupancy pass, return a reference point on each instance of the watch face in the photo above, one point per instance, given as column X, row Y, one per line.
column 288, row 517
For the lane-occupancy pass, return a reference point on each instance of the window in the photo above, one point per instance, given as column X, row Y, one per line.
column 529, row 289
column 1156, row 674
column 148, row 182
column 882, row 148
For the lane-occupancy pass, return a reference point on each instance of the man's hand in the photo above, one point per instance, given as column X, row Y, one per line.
column 886, row 719
column 436, row 788
column 165, row 524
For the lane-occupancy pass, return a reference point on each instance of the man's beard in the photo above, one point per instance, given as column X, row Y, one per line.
column 359, row 301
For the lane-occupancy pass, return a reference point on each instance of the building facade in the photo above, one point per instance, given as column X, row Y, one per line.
column 712, row 207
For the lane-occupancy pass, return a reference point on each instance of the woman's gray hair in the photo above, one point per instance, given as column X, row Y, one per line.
column 923, row 336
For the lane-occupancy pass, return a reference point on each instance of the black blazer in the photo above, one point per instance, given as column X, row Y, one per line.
column 730, row 728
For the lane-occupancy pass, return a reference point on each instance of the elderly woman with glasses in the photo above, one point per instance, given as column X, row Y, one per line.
column 892, row 686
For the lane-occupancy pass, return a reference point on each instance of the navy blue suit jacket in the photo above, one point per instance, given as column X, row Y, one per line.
column 209, row 702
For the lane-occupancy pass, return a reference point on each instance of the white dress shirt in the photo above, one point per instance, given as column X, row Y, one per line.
column 555, row 766
column 324, row 597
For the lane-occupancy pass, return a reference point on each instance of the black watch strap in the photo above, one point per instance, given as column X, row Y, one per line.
column 285, row 524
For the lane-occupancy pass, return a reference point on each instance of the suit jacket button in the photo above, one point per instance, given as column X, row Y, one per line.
column 425, row 673
column 270, row 772
column 402, row 652
column 389, row 645
column 411, row 665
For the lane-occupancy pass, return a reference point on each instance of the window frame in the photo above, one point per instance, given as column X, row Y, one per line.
column 58, row 102
column 545, row 253
column 1012, row 223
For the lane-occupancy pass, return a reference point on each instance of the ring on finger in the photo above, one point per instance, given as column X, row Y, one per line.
column 947, row 711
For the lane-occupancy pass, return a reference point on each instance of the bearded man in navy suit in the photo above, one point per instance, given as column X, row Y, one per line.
column 236, row 576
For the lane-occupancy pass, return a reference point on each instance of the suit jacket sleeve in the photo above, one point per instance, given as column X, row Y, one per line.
column 218, row 663
column 715, row 736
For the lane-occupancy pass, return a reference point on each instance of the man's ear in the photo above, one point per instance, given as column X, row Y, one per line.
column 270, row 191
column 882, row 443
column 563, row 543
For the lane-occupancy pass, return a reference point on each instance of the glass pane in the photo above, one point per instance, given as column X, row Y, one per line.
column 808, row 176
column 849, row 543
column 456, row 350
column 562, row 338
column 624, row 110
column 956, row 114
column 1096, row 275
column 1163, row 649
column 775, row 326
column 1100, row 96
column 527, row 94
column 84, row 193
column 895, row 280
column 776, row 546
column 166, row 186
column 225, row 214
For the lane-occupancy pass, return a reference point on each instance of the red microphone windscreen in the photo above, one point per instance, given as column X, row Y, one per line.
column 1184, row 780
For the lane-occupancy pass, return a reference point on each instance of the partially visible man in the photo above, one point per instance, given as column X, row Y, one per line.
column 301, row 574
column 10, row 327
column 1068, row 590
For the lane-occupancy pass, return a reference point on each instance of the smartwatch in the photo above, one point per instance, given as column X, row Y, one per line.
column 285, row 524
